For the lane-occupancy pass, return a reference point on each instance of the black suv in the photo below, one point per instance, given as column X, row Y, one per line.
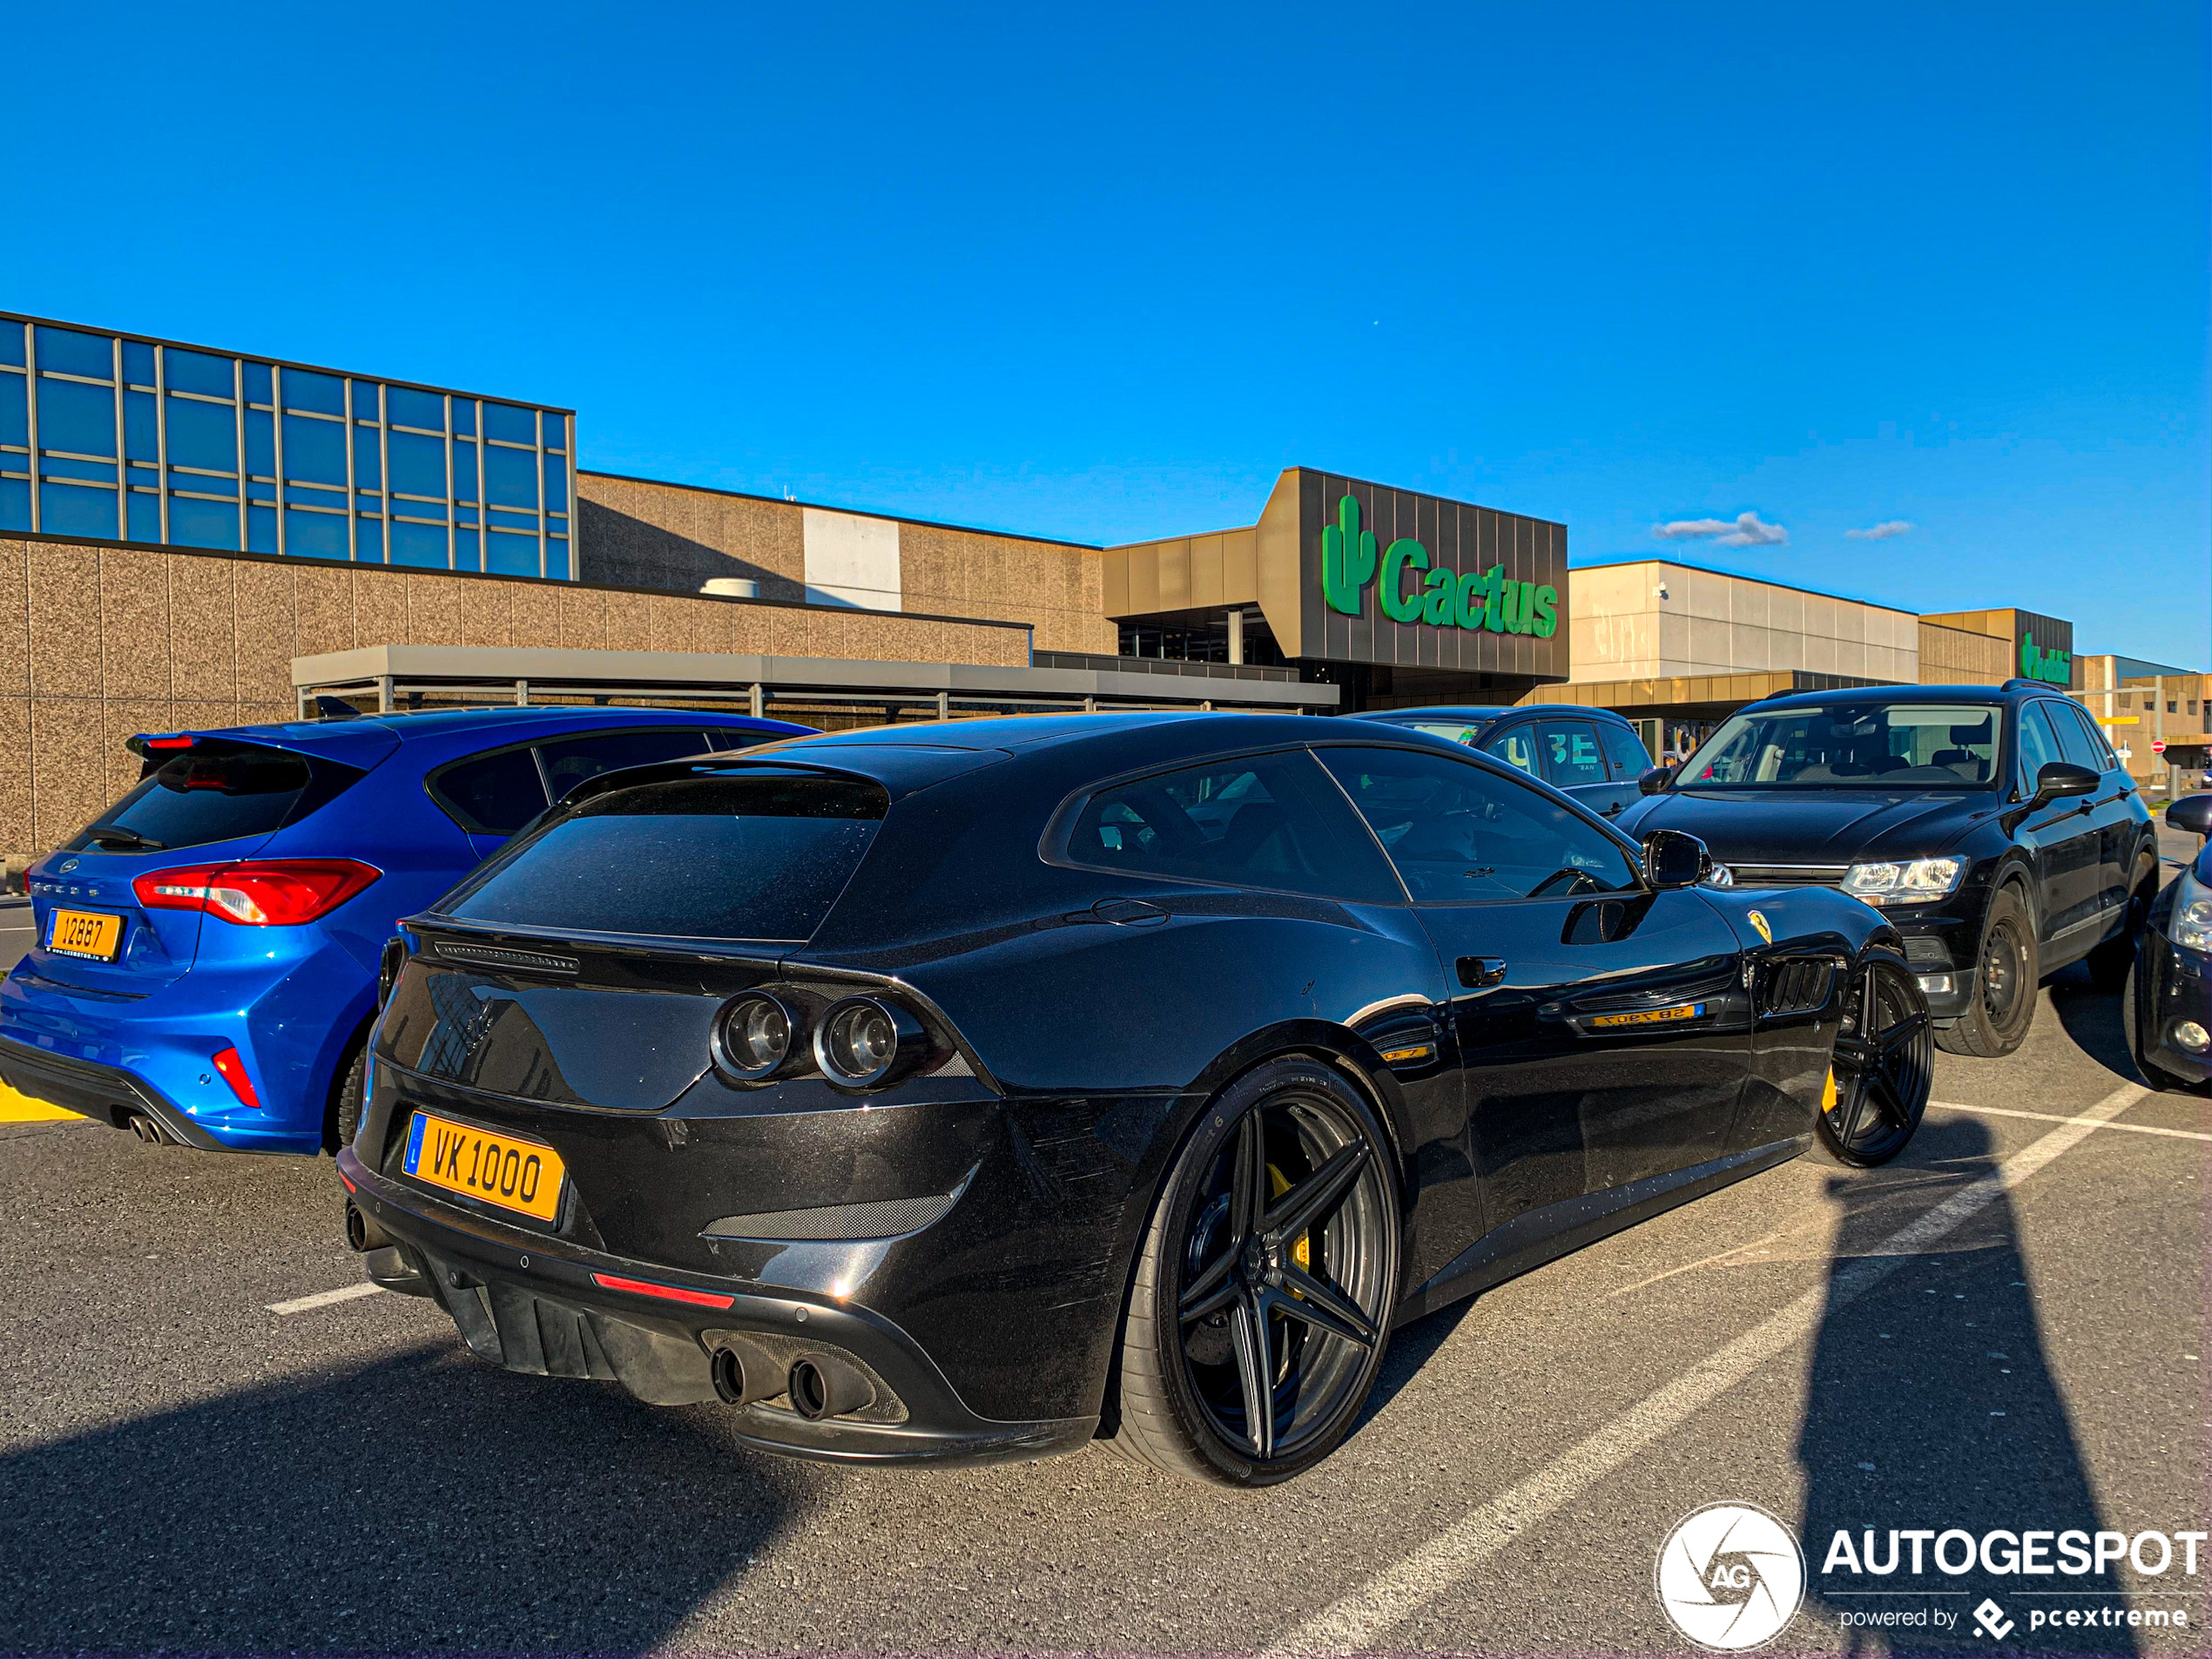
column 1592, row 754
column 1993, row 826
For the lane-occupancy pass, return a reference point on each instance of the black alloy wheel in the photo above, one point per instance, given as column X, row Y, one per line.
column 1883, row 1067
column 2001, row 1000
column 1265, row 1293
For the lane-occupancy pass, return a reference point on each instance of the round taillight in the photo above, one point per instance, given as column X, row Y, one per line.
column 752, row 1036
column 864, row 1042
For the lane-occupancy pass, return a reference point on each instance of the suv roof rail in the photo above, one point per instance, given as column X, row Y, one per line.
column 2016, row 684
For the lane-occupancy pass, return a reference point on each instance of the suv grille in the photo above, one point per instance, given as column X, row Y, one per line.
column 1788, row 875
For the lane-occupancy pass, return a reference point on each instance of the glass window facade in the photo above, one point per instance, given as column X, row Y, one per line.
column 143, row 441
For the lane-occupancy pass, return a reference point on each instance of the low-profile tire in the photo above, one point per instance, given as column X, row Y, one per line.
column 2157, row 1076
column 1265, row 1283
column 346, row 1108
column 2000, row 997
column 1883, row 1069
column 2111, row 962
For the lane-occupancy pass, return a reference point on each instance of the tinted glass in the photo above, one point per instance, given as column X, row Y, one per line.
column 1569, row 752
column 68, row 510
column 509, row 554
column 510, row 477
column 406, row 407
column 73, row 353
column 1516, row 747
column 11, row 343
column 557, row 557
column 314, row 450
column 194, row 371
column 218, row 792
column 516, row 426
column 203, row 523
column 256, row 376
column 76, row 417
column 203, row 435
column 419, row 544
column 494, row 794
column 304, row 390
column 369, row 466
column 15, row 420
column 2039, row 743
column 570, row 760
column 1456, row 832
column 364, row 400
column 2078, row 738
column 1259, row 821
column 1450, row 731
column 464, row 470
column 1852, row 745
column 260, row 442
column 700, row 857
column 314, row 535
column 1625, row 751
column 137, row 360
column 418, row 464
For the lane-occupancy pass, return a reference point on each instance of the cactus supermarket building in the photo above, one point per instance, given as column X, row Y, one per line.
column 191, row 537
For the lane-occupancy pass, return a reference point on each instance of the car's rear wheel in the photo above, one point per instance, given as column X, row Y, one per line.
column 1266, row 1283
column 1883, row 1070
column 2000, row 1003
column 346, row 1110
column 2110, row 962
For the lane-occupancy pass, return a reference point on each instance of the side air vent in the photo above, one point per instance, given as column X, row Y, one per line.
column 842, row 1222
column 1798, row 986
column 528, row 961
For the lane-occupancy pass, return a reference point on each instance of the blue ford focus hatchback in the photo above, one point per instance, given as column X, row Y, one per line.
column 205, row 970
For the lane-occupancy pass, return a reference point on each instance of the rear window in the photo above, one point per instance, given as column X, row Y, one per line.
column 216, row 791
column 693, row 858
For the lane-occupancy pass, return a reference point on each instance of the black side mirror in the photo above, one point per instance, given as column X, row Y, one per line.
column 2191, row 812
column 1674, row 860
column 2059, row 779
column 1655, row 781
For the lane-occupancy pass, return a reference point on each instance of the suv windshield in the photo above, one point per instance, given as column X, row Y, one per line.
column 217, row 790
column 1852, row 745
column 759, row 857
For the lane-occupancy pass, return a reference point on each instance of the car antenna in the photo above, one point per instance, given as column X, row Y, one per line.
column 334, row 708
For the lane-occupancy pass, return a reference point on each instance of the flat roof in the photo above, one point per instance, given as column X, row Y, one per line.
column 666, row 673
column 1734, row 575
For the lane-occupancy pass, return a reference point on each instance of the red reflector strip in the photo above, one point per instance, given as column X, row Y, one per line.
column 232, row 1067
column 348, row 1180
column 666, row 1292
column 171, row 743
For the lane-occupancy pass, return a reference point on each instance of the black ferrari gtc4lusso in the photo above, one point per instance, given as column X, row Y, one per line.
column 970, row 1091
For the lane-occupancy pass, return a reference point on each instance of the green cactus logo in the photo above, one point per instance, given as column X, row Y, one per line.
column 1439, row 597
column 1347, row 559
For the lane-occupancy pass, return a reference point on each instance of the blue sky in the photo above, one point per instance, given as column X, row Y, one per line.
column 1101, row 274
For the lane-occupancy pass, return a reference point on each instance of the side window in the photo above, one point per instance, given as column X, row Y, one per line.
column 493, row 794
column 569, row 761
column 1625, row 751
column 2099, row 744
column 2077, row 737
column 2038, row 745
column 1256, row 821
column 1456, row 832
column 1516, row 746
column 1570, row 752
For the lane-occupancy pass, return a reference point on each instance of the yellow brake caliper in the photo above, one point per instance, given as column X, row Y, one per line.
column 1828, row 1091
column 1302, row 1252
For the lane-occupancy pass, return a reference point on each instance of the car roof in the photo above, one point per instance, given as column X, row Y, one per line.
column 1994, row 696
column 1465, row 711
column 362, row 740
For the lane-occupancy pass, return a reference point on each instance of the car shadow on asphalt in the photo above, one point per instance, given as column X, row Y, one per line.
column 1931, row 1405
column 425, row 1503
column 2094, row 1019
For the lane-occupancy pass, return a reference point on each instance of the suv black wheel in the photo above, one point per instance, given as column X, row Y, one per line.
column 1884, row 1068
column 1266, row 1283
column 2109, row 963
column 2001, row 1004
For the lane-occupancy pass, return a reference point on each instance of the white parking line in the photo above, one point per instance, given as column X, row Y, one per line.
column 1399, row 1591
column 325, row 1299
column 2052, row 1117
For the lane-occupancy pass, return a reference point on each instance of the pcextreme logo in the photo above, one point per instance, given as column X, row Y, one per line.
column 1442, row 599
column 2053, row 667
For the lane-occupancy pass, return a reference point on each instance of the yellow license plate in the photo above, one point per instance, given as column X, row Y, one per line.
column 504, row 1169
column 86, row 933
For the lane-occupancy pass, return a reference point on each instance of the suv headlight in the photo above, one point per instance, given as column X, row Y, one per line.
column 1904, row 880
column 2191, row 926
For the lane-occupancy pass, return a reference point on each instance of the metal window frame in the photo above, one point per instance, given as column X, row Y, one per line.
column 161, row 434
column 276, row 428
column 238, row 409
column 31, row 414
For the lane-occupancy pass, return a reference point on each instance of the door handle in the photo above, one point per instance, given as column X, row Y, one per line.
column 1480, row 973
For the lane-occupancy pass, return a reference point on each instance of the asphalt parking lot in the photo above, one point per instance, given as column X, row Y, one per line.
column 209, row 1440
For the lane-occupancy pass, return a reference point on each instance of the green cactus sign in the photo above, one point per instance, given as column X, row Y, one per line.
column 1412, row 589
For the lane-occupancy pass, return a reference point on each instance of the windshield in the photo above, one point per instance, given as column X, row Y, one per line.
column 738, row 857
column 1852, row 745
column 1468, row 731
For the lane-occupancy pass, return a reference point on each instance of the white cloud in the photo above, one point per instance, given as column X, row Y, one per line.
column 1881, row 532
column 1746, row 529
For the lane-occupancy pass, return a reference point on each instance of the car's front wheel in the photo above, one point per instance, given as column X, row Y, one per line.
column 1266, row 1283
column 1883, row 1070
column 2000, row 1003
